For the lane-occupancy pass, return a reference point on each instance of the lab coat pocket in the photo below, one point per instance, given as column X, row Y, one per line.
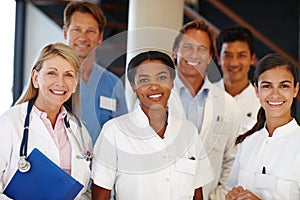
column 218, row 125
column 287, row 189
column 283, row 190
column 185, row 172
column 215, row 140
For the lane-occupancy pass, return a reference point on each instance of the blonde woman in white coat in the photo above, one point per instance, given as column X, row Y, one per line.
column 53, row 129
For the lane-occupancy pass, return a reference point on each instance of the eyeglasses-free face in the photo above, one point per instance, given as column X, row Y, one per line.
column 152, row 84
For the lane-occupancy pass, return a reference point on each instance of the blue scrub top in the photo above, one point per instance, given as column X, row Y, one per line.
column 101, row 83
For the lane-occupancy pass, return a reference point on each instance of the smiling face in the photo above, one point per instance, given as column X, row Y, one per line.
column 193, row 53
column 235, row 61
column 276, row 92
column 55, row 81
column 83, row 34
column 152, row 84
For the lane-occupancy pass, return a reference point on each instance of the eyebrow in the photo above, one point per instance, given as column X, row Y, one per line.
column 268, row 82
column 70, row 71
column 55, row 68
column 146, row 75
column 197, row 44
column 239, row 52
column 160, row 73
column 143, row 75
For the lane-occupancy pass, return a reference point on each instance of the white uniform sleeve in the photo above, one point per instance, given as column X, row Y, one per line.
column 234, row 174
column 7, row 153
column 105, row 158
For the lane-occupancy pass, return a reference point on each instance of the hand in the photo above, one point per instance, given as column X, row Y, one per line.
column 239, row 193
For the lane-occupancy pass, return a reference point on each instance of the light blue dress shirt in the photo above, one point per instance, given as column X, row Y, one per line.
column 193, row 106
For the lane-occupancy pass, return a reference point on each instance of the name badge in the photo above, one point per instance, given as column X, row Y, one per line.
column 108, row 103
column 265, row 181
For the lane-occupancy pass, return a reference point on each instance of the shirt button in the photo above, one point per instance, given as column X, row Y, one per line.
column 164, row 156
column 167, row 179
column 266, row 141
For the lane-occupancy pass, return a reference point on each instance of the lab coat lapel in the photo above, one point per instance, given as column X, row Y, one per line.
column 207, row 117
column 41, row 138
column 77, row 164
column 213, row 120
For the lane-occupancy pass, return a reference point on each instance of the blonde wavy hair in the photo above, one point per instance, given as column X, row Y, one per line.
column 48, row 52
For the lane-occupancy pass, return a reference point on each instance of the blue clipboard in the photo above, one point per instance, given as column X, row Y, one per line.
column 44, row 180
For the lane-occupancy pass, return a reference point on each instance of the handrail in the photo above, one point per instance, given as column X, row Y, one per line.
column 192, row 14
column 232, row 15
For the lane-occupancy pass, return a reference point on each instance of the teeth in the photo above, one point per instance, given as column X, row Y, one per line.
column 275, row 103
column 234, row 69
column 193, row 63
column 155, row 96
column 58, row 92
column 82, row 45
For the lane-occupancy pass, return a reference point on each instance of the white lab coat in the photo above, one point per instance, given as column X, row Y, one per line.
column 12, row 123
column 220, row 127
column 280, row 158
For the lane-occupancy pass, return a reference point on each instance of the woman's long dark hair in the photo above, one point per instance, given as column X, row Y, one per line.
column 268, row 62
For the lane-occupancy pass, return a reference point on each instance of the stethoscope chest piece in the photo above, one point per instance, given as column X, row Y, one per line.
column 23, row 165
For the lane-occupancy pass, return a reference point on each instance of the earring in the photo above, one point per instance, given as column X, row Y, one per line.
column 36, row 86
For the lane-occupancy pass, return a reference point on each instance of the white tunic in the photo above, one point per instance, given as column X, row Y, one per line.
column 142, row 165
column 279, row 155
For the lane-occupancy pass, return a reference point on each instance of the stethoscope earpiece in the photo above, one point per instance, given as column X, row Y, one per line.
column 23, row 165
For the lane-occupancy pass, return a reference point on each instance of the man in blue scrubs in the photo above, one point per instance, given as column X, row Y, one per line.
column 101, row 92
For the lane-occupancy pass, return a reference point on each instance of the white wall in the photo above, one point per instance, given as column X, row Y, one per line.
column 40, row 30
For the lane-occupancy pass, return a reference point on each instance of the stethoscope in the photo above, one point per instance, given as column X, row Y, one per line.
column 24, row 165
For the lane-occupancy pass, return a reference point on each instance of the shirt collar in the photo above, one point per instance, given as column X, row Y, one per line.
column 282, row 131
column 141, row 117
column 246, row 91
column 141, row 120
column 181, row 87
column 44, row 115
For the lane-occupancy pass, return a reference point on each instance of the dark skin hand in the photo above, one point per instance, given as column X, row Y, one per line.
column 99, row 193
